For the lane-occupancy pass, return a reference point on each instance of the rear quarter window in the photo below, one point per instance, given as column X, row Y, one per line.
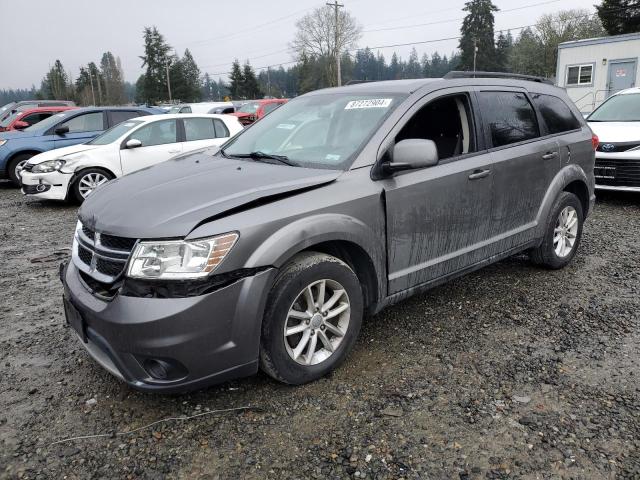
column 556, row 115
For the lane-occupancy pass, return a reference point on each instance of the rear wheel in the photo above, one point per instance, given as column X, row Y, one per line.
column 87, row 181
column 15, row 165
column 562, row 234
column 312, row 319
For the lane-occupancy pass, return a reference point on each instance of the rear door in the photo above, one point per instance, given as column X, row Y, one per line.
column 159, row 143
column 119, row 116
column 524, row 161
column 203, row 132
column 82, row 128
column 439, row 218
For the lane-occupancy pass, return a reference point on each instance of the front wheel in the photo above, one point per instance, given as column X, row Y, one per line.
column 312, row 319
column 562, row 234
column 87, row 181
column 15, row 165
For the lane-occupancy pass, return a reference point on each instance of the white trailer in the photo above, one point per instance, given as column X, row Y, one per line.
column 593, row 69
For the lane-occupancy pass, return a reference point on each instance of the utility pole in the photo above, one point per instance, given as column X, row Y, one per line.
column 93, row 94
column 168, row 80
column 475, row 54
column 336, row 6
column 268, row 83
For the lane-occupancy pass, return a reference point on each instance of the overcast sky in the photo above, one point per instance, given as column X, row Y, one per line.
column 35, row 33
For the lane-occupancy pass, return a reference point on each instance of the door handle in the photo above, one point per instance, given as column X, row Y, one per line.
column 549, row 155
column 479, row 174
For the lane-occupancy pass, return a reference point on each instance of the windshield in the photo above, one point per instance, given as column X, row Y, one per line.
column 248, row 108
column 619, row 108
column 47, row 122
column 9, row 120
column 115, row 132
column 6, row 107
column 318, row 131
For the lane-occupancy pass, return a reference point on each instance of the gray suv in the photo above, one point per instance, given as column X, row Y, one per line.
column 269, row 252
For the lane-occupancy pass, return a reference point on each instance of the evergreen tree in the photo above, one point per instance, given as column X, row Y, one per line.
column 425, row 65
column 112, row 77
column 477, row 31
column 503, row 48
column 250, row 86
column 185, row 78
column 413, row 68
column 236, row 81
column 620, row 16
column 394, row 71
column 156, row 57
column 55, row 84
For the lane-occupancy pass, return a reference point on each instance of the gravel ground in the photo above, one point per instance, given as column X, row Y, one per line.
column 511, row 372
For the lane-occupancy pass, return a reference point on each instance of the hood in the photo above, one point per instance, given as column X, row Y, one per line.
column 61, row 153
column 18, row 134
column 172, row 198
column 616, row 132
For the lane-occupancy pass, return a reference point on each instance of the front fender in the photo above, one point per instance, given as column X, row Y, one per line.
column 564, row 177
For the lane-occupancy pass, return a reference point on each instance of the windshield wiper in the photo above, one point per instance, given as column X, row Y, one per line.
column 258, row 155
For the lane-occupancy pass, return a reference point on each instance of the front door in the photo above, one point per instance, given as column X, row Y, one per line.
column 622, row 75
column 159, row 143
column 439, row 218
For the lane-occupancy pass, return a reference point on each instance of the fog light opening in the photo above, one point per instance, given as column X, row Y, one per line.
column 164, row 369
column 41, row 187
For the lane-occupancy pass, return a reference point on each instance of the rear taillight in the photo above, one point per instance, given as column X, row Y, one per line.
column 595, row 141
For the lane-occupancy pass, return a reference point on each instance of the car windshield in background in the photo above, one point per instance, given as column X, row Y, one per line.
column 47, row 122
column 6, row 107
column 115, row 132
column 249, row 108
column 619, row 108
column 318, row 131
column 7, row 121
column 174, row 109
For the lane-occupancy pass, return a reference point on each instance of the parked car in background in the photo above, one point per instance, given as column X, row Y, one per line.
column 256, row 109
column 12, row 107
column 22, row 119
column 346, row 200
column 617, row 124
column 60, row 130
column 203, row 107
column 74, row 172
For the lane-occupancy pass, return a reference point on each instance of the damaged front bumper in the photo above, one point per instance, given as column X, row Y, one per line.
column 50, row 185
column 171, row 344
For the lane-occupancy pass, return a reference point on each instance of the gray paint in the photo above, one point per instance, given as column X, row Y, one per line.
column 415, row 228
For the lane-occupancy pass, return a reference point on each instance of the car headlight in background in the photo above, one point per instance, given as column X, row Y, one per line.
column 48, row 166
column 180, row 259
column 2, row 142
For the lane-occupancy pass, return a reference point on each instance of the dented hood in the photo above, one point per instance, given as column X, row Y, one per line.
column 172, row 198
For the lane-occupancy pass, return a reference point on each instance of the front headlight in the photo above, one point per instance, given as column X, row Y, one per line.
column 2, row 142
column 180, row 259
column 48, row 166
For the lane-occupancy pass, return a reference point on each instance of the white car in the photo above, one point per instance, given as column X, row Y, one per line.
column 204, row 107
column 74, row 172
column 617, row 124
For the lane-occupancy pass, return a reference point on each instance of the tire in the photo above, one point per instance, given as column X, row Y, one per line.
column 549, row 254
column 13, row 164
column 277, row 350
column 78, row 185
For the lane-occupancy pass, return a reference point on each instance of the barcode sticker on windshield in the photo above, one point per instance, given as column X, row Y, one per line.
column 371, row 103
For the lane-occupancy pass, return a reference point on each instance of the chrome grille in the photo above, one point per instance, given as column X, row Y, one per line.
column 618, row 172
column 103, row 257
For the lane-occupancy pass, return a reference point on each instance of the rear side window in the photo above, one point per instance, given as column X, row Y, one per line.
column 185, row 110
column 88, row 122
column 221, row 129
column 198, row 129
column 509, row 117
column 119, row 116
column 556, row 115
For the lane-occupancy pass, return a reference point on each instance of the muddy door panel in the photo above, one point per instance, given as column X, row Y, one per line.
column 438, row 220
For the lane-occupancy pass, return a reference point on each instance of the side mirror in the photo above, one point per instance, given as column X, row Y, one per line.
column 61, row 130
column 412, row 154
column 20, row 125
column 133, row 143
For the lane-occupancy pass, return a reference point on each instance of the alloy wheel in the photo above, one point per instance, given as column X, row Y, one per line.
column 89, row 182
column 317, row 322
column 566, row 232
column 19, row 166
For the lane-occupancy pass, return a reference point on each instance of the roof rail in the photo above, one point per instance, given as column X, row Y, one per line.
column 516, row 76
column 357, row 82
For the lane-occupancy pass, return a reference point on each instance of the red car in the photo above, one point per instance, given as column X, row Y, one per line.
column 25, row 118
column 256, row 109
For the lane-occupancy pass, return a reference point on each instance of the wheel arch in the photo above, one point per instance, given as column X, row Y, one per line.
column 579, row 189
column 13, row 155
